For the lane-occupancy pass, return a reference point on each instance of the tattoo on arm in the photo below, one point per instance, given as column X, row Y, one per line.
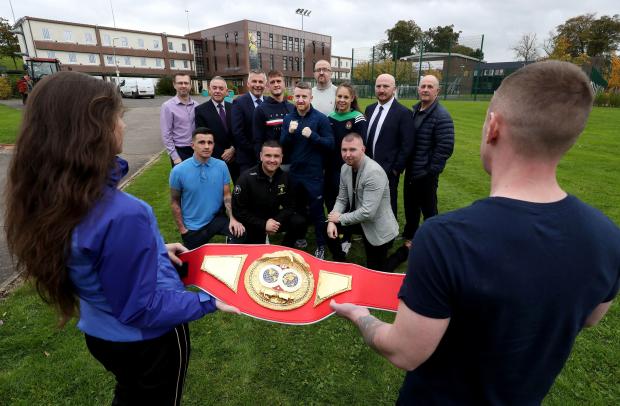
column 227, row 204
column 368, row 327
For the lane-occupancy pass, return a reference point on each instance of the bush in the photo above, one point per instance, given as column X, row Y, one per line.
column 614, row 99
column 607, row 99
column 6, row 91
column 165, row 86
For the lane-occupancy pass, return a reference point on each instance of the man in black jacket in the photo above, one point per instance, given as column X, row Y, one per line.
column 262, row 200
column 434, row 142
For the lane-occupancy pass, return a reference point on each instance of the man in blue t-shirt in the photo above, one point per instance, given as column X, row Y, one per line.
column 198, row 188
column 497, row 292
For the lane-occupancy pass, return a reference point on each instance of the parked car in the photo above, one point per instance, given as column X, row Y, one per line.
column 137, row 88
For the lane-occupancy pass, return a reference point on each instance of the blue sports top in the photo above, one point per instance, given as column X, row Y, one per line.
column 119, row 266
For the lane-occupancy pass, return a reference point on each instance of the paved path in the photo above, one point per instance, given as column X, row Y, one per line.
column 142, row 143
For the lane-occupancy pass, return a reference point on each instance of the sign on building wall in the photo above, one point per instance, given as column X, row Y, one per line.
column 253, row 50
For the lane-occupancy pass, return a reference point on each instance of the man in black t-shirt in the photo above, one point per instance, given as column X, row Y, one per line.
column 497, row 292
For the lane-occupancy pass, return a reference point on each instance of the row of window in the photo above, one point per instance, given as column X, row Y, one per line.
column 342, row 63
column 120, row 60
column 107, row 40
column 490, row 72
column 292, row 44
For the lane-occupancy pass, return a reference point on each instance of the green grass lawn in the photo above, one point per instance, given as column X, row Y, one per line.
column 10, row 120
column 239, row 360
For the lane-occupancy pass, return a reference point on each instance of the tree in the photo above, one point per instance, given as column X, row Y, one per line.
column 587, row 35
column 527, row 48
column 613, row 84
column 401, row 39
column 9, row 46
column 441, row 39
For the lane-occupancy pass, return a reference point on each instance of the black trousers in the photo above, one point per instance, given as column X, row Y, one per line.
column 393, row 182
column 149, row 372
column 294, row 228
column 376, row 256
column 184, row 153
column 217, row 226
column 420, row 198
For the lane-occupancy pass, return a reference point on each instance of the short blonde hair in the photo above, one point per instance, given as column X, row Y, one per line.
column 545, row 106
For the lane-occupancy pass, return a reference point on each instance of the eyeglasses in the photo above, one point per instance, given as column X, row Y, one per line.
column 319, row 70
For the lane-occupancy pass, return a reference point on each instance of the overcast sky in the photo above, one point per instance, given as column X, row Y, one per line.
column 352, row 24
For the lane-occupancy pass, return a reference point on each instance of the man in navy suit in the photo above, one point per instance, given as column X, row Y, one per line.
column 215, row 114
column 242, row 113
column 390, row 136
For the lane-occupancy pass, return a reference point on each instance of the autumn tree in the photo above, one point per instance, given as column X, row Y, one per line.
column 527, row 48
column 613, row 84
column 8, row 41
column 587, row 35
column 441, row 39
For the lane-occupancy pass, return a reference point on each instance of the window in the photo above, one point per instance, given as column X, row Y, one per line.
column 184, row 47
column 297, row 63
column 271, row 62
column 72, row 57
column 185, row 64
column 172, row 63
column 107, row 40
column 127, row 60
column 271, row 42
column 259, row 42
column 88, row 37
column 284, row 42
column 158, row 62
column 228, row 60
column 214, row 47
column 236, row 37
column 226, row 37
column 67, row 35
column 322, row 48
column 170, row 46
column 260, row 61
column 109, row 60
column 290, row 63
column 296, row 44
column 207, row 64
column 284, row 63
column 155, row 44
column 142, row 61
column 237, row 58
column 92, row 58
column 215, row 62
column 46, row 33
column 124, row 42
column 140, row 43
column 290, row 44
column 499, row 72
column 313, row 47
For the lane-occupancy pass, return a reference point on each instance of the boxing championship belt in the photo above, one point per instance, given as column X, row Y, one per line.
column 285, row 285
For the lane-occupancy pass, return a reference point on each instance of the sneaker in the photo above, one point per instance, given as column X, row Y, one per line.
column 301, row 243
column 320, row 252
column 345, row 246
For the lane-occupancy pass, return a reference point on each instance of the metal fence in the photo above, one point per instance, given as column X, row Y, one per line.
column 458, row 68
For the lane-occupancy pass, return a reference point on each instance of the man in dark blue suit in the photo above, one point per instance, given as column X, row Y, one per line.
column 215, row 114
column 390, row 137
column 242, row 113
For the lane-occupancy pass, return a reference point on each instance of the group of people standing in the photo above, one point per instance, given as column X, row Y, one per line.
column 310, row 171
column 495, row 293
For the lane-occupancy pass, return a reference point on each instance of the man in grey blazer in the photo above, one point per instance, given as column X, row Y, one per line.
column 365, row 192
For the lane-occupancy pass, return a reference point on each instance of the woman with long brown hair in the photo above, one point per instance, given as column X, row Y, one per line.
column 88, row 246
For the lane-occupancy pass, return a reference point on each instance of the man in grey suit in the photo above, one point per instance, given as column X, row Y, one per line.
column 365, row 191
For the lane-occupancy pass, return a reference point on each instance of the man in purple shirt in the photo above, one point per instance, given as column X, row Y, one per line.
column 177, row 121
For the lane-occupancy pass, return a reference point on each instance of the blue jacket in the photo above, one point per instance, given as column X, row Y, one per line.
column 434, row 141
column 267, row 123
column 128, row 288
column 308, row 154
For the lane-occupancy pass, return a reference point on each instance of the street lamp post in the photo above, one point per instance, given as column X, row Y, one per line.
column 115, row 60
column 303, row 13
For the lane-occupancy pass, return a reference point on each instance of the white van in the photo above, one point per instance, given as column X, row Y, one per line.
column 135, row 87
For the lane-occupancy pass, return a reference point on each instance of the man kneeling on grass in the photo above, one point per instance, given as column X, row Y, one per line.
column 496, row 293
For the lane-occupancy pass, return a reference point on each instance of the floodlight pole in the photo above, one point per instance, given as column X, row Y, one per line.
column 115, row 60
column 303, row 13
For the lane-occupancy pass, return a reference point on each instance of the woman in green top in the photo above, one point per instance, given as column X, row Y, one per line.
column 344, row 120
